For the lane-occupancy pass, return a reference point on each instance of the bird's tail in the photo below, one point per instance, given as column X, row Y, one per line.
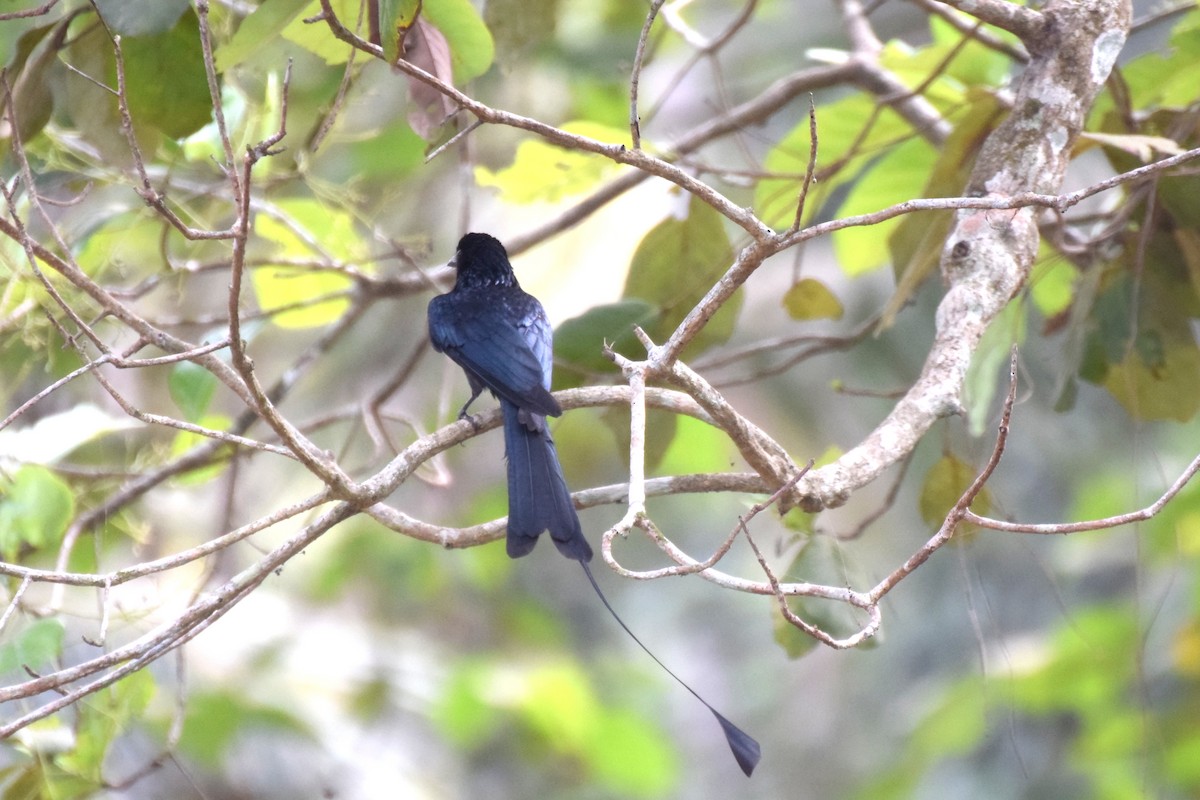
column 538, row 497
column 746, row 750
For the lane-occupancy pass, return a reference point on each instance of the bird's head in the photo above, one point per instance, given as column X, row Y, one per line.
column 482, row 261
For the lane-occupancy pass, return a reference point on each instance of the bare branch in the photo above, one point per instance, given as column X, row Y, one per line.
column 36, row 11
column 1021, row 20
column 1095, row 524
column 615, row 152
column 973, row 30
column 635, row 123
column 962, row 507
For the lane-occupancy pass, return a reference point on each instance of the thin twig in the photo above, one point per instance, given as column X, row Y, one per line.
column 635, row 123
column 811, row 169
column 961, row 508
column 1095, row 524
column 37, row 11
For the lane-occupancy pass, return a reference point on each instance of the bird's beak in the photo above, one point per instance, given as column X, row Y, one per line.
column 453, row 262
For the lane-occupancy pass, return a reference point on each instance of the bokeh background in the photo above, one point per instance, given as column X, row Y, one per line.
column 376, row 665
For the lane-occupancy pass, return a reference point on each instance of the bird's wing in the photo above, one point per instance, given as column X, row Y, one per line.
column 504, row 343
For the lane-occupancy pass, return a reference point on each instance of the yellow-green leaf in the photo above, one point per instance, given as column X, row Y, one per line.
column 316, row 37
column 839, row 126
column 395, row 16
column 810, row 299
column 1052, row 285
column 542, row 172
column 944, row 486
column 898, row 176
column 305, row 298
column 1158, row 383
column 265, row 22
column 311, row 299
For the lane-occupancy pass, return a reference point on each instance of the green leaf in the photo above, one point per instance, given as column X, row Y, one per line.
column 471, row 46
column 395, row 16
column 975, row 63
column 122, row 245
column 897, row 783
column 384, row 158
column 192, row 388
column 1179, row 195
column 369, row 561
column 795, row 642
column 34, row 510
column 800, row 521
column 167, row 86
column 263, row 24
column 1188, row 241
column 1085, row 668
column 579, row 342
column 542, row 172
column 557, row 701
column 141, row 17
column 1158, row 79
column 44, row 779
column 1151, row 368
column 312, row 298
column 810, row 299
column 1182, row 759
column 1158, row 380
column 38, row 645
column 32, row 98
column 675, row 265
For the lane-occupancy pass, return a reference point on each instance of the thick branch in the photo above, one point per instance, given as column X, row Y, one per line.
column 988, row 254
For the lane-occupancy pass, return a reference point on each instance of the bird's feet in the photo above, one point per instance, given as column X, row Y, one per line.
column 471, row 418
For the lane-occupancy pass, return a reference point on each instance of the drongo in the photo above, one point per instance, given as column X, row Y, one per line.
column 499, row 335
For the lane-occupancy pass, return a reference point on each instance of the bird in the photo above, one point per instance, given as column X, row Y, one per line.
column 499, row 334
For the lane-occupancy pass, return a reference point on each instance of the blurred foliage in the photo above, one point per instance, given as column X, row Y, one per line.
column 476, row 675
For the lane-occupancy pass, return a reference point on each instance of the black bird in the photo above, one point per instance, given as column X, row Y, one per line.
column 501, row 338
